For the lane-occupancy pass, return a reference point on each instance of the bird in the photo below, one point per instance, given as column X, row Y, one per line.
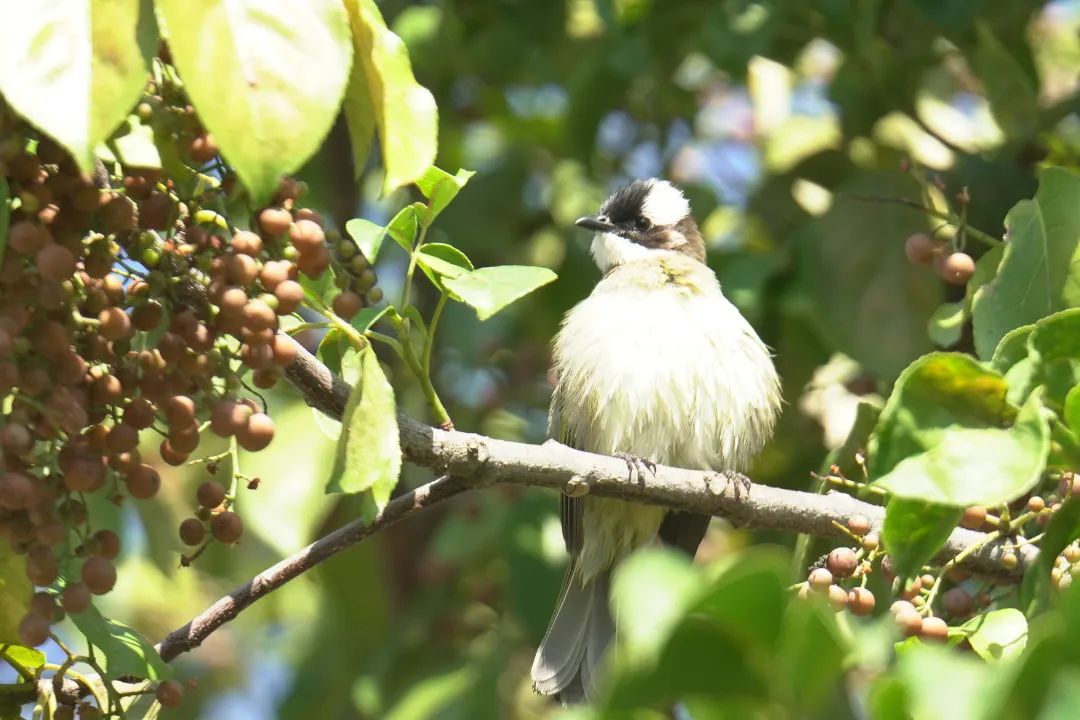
column 655, row 366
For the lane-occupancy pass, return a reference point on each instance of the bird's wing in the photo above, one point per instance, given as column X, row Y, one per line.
column 683, row 530
column 570, row 509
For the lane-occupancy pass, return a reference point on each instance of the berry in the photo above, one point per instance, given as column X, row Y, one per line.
column 143, row 482
column 909, row 621
column 820, row 579
column 921, row 249
column 861, row 601
column 934, row 629
column 99, row 574
column 192, row 531
column 33, row 630
column 275, row 221
column 974, row 517
column 226, row 527
column 169, row 693
column 858, row 524
column 76, row 597
column 256, row 433
column 108, row 543
column 210, row 494
column 956, row 268
column 957, row 602
column 842, row 562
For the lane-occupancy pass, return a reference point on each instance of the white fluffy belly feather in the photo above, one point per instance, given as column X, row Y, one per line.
column 657, row 363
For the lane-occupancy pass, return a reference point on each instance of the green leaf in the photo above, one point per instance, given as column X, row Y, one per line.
column 15, row 593
column 360, row 119
column 368, row 454
column 136, row 147
column 266, row 76
column 125, row 651
column 943, row 684
column 749, row 598
column 439, row 260
column 914, row 531
column 977, row 466
column 1054, row 348
column 490, row 289
column 998, row 634
column 27, row 658
column 404, row 225
column 405, row 111
column 367, row 235
column 937, row 392
column 1011, row 349
column 1040, row 272
column 367, row 317
column 426, row 698
column 74, row 70
column 1072, row 410
column 322, row 287
column 650, row 593
column 946, row 324
column 1013, row 97
column 5, row 216
column 811, row 655
column 440, row 188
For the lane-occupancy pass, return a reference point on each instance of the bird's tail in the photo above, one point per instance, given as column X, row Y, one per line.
column 568, row 659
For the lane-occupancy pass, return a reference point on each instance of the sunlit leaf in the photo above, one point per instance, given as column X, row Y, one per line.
column 266, row 77
column 976, row 466
column 488, row 290
column 360, row 118
column 1043, row 252
column 367, row 317
column 440, row 188
column 914, row 531
column 136, row 147
column 403, row 226
column 368, row 454
column 439, row 260
column 431, row 694
column 75, row 69
column 998, row 634
column 367, row 235
column 1011, row 349
column 946, row 324
column 650, row 593
column 1012, row 94
column 405, row 111
column 14, row 593
column 27, row 658
column 1072, row 409
column 125, row 651
column 944, row 684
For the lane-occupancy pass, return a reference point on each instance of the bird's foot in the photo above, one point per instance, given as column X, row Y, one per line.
column 736, row 485
column 637, row 466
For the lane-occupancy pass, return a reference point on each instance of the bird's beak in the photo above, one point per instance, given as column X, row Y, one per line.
column 599, row 223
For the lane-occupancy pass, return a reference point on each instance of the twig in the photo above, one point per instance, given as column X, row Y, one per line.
column 473, row 461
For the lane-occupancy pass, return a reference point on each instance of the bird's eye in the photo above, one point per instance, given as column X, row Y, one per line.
column 641, row 223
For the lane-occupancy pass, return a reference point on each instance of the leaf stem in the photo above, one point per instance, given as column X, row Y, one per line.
column 429, row 341
column 957, row 222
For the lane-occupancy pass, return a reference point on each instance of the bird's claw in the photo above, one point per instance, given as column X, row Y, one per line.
column 637, row 466
column 740, row 486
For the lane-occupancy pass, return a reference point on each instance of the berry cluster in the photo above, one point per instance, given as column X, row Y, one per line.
column 130, row 306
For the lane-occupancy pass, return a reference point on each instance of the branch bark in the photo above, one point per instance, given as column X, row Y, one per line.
column 467, row 460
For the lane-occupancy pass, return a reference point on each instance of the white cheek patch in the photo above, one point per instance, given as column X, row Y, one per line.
column 609, row 250
column 665, row 204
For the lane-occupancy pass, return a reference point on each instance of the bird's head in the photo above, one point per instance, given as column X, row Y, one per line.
column 645, row 219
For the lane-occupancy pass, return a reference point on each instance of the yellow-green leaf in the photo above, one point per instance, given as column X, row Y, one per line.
column 266, row 77
column 488, row 290
column 405, row 112
column 14, row 594
column 126, row 651
column 75, row 68
column 368, row 454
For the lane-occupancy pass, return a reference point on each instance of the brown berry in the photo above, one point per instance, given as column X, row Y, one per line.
column 122, row 437
column 275, row 221
column 227, row 417
column 256, row 433
column 838, row 597
column 934, row 629
column 921, row 249
column 289, row 295
column 820, row 579
column 861, row 601
column 115, row 324
column 76, row 597
column 16, row 491
column 99, row 574
column 169, row 693
column 210, row 494
column 347, row 304
column 226, row 527
column 56, row 262
column 909, row 621
column 147, row 317
column 285, row 350
column 203, row 150
column 956, row 268
column 33, row 630
column 246, row 242
column 180, row 411
column 842, row 562
column 974, row 517
column 170, row 455
column 858, row 524
column 139, row 413
column 192, row 531
column 42, row 565
column 957, row 602
column 143, row 482
column 306, row 236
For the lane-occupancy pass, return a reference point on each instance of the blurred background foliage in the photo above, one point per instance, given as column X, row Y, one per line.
column 770, row 114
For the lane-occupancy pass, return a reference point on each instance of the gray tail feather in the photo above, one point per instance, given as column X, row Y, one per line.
column 569, row 656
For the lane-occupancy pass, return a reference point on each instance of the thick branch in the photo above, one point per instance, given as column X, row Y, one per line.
column 471, row 460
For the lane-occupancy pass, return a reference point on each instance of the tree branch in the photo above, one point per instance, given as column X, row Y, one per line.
column 469, row 461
